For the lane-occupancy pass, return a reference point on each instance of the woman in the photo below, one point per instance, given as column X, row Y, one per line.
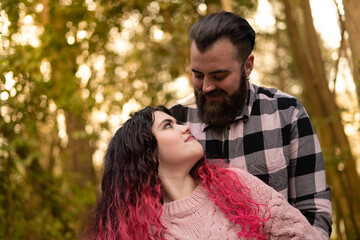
column 157, row 185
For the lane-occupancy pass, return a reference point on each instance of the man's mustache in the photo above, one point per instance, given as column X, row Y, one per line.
column 213, row 93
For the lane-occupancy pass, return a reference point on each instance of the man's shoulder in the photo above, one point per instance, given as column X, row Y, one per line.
column 271, row 93
column 185, row 107
column 275, row 97
column 185, row 102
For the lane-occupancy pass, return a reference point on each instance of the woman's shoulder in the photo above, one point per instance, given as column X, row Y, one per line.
column 245, row 176
column 260, row 191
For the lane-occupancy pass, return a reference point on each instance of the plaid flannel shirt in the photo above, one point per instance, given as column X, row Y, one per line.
column 273, row 139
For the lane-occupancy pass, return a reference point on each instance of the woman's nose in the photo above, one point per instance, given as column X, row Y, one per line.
column 185, row 128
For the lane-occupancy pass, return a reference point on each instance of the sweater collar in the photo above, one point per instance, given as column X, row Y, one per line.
column 186, row 206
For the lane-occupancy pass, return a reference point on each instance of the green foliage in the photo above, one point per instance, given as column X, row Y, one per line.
column 47, row 181
column 40, row 206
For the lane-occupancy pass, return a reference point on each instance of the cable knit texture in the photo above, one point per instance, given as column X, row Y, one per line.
column 197, row 217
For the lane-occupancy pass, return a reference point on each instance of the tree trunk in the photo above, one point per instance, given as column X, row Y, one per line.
column 332, row 136
column 79, row 160
column 352, row 26
column 78, row 156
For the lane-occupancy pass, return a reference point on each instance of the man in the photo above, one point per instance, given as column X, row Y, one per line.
column 261, row 130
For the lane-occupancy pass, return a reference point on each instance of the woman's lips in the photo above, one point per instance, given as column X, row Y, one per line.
column 190, row 138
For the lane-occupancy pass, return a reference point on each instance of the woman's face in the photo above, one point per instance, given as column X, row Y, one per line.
column 179, row 151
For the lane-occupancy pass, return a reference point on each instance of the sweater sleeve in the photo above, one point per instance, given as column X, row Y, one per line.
column 285, row 222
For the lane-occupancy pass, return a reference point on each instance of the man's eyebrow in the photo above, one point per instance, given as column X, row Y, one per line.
column 219, row 71
column 196, row 71
column 214, row 72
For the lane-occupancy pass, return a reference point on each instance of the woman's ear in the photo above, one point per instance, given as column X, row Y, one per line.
column 249, row 65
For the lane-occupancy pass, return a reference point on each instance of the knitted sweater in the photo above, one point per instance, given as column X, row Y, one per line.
column 197, row 217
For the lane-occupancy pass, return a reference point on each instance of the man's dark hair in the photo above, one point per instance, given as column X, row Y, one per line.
column 213, row 27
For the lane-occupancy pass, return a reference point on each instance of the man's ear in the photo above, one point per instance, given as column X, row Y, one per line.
column 249, row 65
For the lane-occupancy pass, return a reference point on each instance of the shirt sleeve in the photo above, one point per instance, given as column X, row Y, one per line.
column 308, row 190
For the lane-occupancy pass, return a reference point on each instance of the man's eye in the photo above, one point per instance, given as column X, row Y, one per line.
column 219, row 77
column 198, row 75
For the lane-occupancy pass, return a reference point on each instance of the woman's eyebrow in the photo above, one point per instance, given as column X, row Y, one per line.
column 167, row 120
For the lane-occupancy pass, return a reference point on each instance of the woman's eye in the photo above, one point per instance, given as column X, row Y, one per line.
column 168, row 125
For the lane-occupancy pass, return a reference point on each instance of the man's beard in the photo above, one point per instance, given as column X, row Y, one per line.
column 221, row 113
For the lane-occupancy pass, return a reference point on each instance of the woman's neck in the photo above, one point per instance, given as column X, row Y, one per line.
column 177, row 188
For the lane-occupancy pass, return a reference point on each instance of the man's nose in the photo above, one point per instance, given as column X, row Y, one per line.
column 208, row 85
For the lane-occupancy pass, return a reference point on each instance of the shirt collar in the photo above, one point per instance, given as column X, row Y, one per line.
column 245, row 112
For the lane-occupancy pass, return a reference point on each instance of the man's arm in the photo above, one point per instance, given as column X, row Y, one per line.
column 308, row 190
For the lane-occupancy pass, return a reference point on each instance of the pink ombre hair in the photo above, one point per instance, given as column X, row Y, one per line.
column 233, row 198
column 130, row 205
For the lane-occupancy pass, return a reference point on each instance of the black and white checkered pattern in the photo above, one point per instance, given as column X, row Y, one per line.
column 274, row 140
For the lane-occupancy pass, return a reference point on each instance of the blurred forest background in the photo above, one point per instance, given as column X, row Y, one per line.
column 72, row 70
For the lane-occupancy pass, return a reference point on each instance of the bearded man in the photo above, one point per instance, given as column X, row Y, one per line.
column 261, row 130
